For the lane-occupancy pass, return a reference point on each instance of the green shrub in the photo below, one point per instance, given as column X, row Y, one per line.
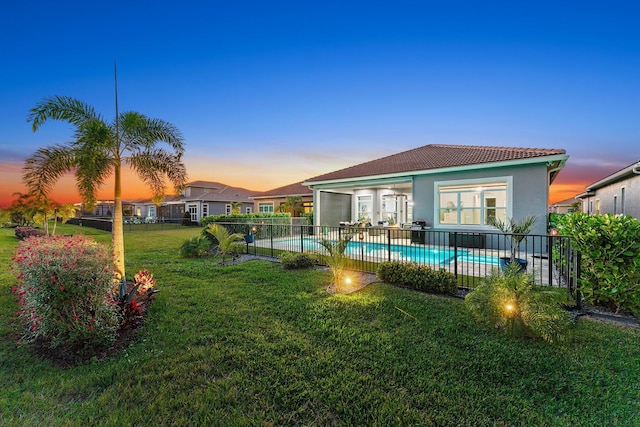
column 294, row 261
column 416, row 276
column 65, row 292
column 195, row 247
column 610, row 267
column 511, row 300
column 186, row 219
column 277, row 218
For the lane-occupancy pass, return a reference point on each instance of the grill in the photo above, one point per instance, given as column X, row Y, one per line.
column 418, row 234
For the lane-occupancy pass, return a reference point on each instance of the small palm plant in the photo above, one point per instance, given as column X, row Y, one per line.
column 226, row 240
column 195, row 247
column 516, row 230
column 511, row 300
column 335, row 258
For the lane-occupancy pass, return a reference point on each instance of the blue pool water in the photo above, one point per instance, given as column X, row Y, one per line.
column 420, row 254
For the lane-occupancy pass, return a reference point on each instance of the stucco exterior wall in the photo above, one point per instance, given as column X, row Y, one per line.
column 528, row 195
column 611, row 198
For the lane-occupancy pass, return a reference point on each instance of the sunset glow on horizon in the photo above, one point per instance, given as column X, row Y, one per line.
column 566, row 186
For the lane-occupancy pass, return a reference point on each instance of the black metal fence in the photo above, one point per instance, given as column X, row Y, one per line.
column 468, row 255
column 106, row 224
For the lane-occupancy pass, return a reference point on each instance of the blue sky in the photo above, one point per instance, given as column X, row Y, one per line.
column 270, row 93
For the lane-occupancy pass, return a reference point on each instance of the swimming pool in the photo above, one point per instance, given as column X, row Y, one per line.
column 419, row 254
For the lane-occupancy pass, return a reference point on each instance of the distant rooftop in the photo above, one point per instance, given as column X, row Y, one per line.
column 296, row 189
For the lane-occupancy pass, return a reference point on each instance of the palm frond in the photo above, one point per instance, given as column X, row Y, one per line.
column 153, row 165
column 224, row 237
column 95, row 136
column 141, row 133
column 92, row 171
column 62, row 108
column 46, row 166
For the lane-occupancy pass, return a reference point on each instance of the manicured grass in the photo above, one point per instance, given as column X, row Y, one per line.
column 252, row 344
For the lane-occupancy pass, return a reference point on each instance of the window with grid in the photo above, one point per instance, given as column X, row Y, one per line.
column 471, row 203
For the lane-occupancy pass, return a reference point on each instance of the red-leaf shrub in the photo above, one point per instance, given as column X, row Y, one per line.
column 26, row 232
column 65, row 290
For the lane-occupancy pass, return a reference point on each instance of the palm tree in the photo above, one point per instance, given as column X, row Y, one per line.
column 235, row 207
column 100, row 149
column 225, row 239
column 293, row 205
column 23, row 209
column 65, row 213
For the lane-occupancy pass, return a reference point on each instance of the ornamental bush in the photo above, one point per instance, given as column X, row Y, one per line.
column 416, row 276
column 65, row 292
column 196, row 247
column 610, row 266
column 294, row 261
column 26, row 232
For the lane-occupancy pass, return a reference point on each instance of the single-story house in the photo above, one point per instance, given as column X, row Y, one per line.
column 565, row 206
column 270, row 201
column 449, row 187
column 618, row 193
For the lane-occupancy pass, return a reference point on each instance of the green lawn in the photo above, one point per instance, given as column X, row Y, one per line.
column 252, row 344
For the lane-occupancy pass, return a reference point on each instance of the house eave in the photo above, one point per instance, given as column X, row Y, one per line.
column 282, row 195
column 628, row 171
column 562, row 158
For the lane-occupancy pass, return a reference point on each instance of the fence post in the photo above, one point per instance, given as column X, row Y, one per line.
column 301, row 240
column 388, row 244
column 578, row 259
column 271, row 237
column 455, row 254
column 550, row 262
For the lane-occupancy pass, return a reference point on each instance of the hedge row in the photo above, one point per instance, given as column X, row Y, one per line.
column 416, row 276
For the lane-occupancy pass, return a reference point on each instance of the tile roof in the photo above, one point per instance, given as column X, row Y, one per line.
column 436, row 156
column 296, row 189
column 219, row 192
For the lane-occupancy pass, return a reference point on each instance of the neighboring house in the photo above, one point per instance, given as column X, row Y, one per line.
column 449, row 187
column 199, row 198
column 204, row 198
column 618, row 193
column 565, row 206
column 270, row 201
column 172, row 209
column 103, row 208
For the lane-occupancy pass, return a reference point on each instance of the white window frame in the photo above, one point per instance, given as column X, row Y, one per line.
column 248, row 209
column 205, row 210
column 266, row 205
column 622, row 197
column 508, row 180
column 227, row 209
